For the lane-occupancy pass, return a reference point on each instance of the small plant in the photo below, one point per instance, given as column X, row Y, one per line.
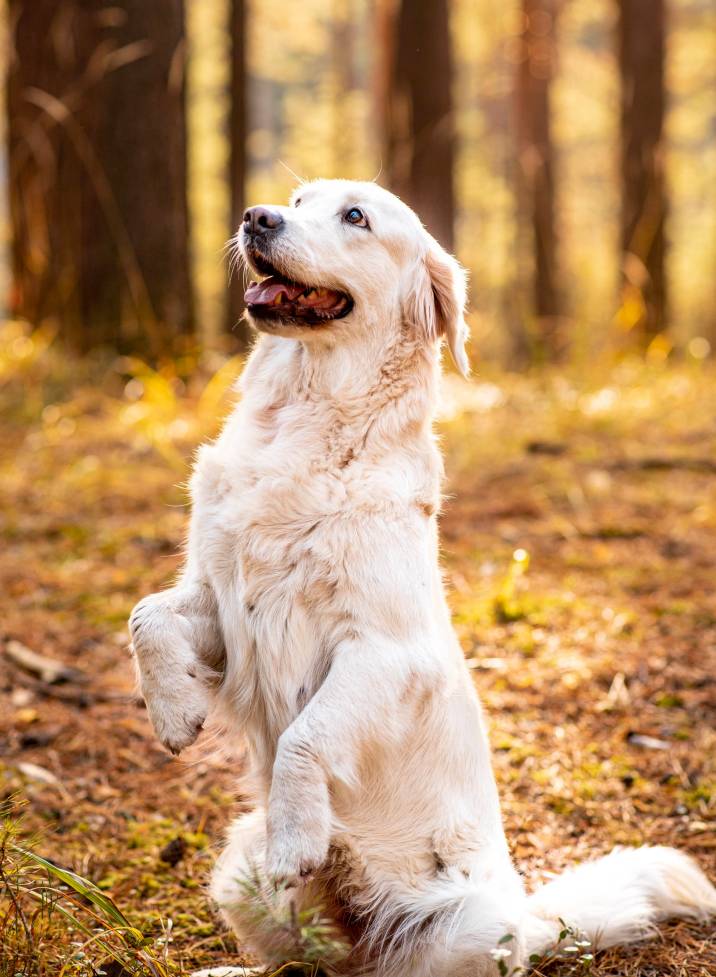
column 54, row 921
column 506, row 604
column 501, row 954
column 572, row 947
column 300, row 938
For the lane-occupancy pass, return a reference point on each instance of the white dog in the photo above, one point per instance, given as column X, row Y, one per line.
column 311, row 616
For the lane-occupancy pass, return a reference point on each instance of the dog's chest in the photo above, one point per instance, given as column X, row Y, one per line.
column 274, row 540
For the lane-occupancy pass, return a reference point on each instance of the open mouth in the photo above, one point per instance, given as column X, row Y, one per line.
column 278, row 298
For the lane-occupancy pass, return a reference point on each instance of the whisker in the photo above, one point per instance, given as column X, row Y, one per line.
column 234, row 257
column 296, row 177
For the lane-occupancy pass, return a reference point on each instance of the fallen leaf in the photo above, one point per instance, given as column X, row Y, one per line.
column 648, row 742
column 34, row 772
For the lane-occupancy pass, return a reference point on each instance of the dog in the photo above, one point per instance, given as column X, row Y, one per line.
column 310, row 617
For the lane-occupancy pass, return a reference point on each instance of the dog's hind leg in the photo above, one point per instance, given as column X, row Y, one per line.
column 238, row 886
column 267, row 920
column 457, row 927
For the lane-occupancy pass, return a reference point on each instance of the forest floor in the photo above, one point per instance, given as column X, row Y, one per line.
column 579, row 542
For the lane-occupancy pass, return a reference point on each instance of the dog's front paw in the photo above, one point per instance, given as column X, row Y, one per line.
column 175, row 684
column 294, row 860
column 177, row 712
column 297, row 846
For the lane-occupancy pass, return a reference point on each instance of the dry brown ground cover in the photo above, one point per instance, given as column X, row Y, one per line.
column 601, row 631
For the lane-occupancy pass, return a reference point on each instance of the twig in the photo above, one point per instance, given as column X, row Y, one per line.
column 656, row 463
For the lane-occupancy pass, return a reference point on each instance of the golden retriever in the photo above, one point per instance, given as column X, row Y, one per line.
column 311, row 617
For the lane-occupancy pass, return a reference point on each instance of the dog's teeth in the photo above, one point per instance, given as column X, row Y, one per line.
column 279, row 298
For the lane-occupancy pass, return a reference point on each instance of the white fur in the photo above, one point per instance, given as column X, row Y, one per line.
column 618, row 898
column 312, row 567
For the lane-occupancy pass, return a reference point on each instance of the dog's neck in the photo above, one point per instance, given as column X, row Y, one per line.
column 388, row 384
column 360, row 369
column 376, row 398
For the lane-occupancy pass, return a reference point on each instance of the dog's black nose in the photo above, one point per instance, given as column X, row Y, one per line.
column 260, row 220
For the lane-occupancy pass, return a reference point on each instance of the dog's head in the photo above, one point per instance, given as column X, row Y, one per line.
column 350, row 259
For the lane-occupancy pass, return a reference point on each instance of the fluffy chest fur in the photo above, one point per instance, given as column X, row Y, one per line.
column 292, row 500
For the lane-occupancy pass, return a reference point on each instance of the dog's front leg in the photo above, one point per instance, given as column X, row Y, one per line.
column 179, row 651
column 356, row 705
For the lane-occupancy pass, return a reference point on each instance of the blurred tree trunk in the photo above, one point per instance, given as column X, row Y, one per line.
column 535, row 173
column 238, row 132
column 345, row 82
column 643, row 210
column 97, row 160
column 414, row 105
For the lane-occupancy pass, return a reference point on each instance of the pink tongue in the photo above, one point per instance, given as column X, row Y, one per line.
column 265, row 292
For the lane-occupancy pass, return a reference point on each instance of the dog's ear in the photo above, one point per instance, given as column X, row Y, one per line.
column 436, row 301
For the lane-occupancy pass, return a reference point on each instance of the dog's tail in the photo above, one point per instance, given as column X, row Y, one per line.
column 617, row 899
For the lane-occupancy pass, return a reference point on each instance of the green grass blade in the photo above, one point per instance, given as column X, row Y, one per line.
column 87, row 889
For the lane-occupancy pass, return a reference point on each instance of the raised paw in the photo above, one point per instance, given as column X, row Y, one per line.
column 293, row 862
column 297, row 845
column 175, row 684
column 177, row 712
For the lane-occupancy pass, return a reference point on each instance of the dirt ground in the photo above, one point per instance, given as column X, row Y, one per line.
column 579, row 540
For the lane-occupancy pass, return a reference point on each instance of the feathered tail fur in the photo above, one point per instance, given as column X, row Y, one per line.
column 618, row 899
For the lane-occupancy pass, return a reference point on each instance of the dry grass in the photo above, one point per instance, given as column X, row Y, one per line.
column 601, row 632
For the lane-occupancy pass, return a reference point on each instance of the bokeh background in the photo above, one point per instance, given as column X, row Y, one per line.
column 566, row 151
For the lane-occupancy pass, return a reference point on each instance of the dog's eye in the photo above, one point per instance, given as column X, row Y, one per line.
column 356, row 216
column 297, row 203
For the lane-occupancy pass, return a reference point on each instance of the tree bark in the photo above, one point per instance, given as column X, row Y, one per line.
column 414, row 103
column 97, row 159
column 344, row 82
column 643, row 195
column 238, row 132
column 535, row 172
